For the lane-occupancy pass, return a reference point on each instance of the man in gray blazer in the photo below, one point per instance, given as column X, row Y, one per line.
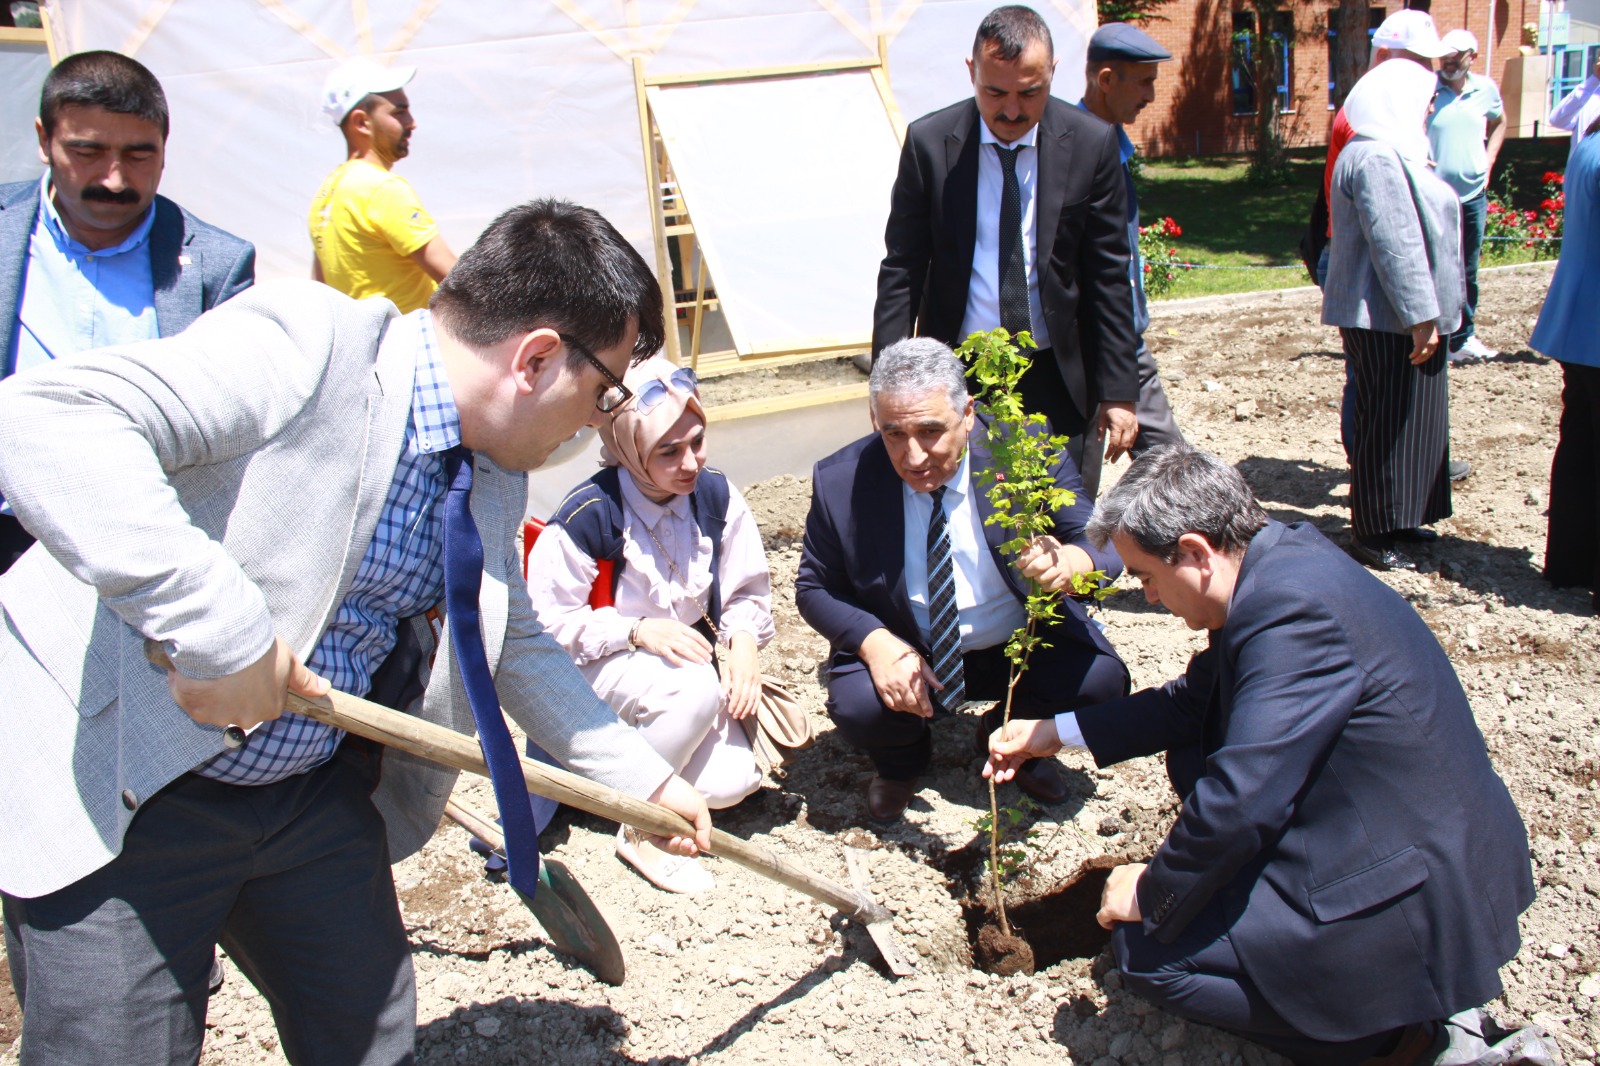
column 263, row 495
column 89, row 254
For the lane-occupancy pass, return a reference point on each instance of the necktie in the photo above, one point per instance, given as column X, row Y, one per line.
column 944, row 621
column 1014, row 314
column 463, row 576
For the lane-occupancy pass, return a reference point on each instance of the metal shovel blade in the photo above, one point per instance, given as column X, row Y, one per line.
column 574, row 924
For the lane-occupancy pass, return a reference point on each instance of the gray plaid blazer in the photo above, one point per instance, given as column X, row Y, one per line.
column 209, row 490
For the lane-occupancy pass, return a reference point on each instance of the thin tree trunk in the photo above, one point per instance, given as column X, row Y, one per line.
column 1351, row 47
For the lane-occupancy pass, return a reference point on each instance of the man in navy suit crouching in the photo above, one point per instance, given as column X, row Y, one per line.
column 1347, row 868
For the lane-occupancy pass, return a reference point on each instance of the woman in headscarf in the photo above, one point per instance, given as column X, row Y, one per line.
column 1567, row 332
column 1394, row 288
column 688, row 573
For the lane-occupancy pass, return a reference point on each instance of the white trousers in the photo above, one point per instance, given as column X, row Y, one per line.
column 680, row 711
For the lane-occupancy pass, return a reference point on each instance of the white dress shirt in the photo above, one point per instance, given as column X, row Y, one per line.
column 983, row 292
column 989, row 613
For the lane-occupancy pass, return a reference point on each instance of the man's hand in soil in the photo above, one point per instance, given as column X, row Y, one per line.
column 1018, row 742
column 678, row 795
column 1119, row 902
column 898, row 673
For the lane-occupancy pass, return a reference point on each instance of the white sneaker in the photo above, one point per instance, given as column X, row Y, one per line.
column 1475, row 349
column 674, row 873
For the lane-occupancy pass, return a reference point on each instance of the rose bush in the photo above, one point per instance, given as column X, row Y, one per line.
column 1161, row 259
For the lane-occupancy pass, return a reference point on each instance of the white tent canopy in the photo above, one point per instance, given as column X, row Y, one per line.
column 514, row 99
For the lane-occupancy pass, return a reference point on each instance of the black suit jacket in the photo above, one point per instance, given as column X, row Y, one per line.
column 852, row 568
column 1339, row 806
column 194, row 265
column 1082, row 258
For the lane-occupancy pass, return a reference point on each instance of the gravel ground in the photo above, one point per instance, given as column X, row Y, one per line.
column 754, row 973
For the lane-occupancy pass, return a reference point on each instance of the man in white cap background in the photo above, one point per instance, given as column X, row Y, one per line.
column 369, row 231
column 1465, row 132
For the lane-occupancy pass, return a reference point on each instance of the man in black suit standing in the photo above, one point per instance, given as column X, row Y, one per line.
column 902, row 572
column 1347, row 869
column 1010, row 210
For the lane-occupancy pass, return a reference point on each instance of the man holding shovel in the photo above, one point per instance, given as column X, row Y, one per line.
column 277, row 496
column 1344, row 878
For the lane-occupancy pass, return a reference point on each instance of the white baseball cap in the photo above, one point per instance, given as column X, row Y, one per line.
column 1460, row 41
column 1410, row 31
column 357, row 79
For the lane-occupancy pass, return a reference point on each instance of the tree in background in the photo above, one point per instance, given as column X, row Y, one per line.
column 1130, row 10
column 1350, row 47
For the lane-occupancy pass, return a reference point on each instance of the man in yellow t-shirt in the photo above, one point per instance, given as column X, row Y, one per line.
column 369, row 231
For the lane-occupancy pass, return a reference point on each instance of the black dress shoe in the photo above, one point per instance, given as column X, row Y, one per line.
column 1417, row 535
column 1041, row 779
column 887, row 798
column 1379, row 555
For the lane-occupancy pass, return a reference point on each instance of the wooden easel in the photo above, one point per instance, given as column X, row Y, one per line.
column 670, row 220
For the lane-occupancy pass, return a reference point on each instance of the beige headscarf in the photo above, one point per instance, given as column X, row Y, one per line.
column 1390, row 104
column 630, row 437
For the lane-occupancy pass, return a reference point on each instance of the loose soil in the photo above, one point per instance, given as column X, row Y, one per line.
column 754, row 973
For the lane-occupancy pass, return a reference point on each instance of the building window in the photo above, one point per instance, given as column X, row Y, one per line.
column 1242, row 64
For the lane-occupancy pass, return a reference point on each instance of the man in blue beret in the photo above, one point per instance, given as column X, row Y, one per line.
column 1120, row 82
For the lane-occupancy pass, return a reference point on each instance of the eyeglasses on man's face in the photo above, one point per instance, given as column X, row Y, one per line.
column 614, row 397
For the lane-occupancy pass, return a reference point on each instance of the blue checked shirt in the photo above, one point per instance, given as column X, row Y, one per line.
column 401, row 574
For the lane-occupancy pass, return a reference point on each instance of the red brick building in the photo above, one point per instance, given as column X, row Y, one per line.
column 1206, row 99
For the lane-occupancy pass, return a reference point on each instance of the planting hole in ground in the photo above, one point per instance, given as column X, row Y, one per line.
column 1057, row 925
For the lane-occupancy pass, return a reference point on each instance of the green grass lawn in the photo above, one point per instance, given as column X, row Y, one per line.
column 1231, row 225
column 1236, row 228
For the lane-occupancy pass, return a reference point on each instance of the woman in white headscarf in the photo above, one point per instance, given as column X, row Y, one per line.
column 1394, row 288
column 678, row 590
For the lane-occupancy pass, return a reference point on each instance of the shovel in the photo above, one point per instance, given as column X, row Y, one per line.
column 449, row 748
column 562, row 907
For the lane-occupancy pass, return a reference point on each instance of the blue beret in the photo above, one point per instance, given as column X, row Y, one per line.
column 1118, row 40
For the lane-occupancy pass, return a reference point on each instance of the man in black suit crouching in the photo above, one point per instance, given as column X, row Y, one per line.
column 1347, row 869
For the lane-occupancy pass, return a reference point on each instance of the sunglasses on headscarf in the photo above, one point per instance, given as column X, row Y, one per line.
column 652, row 392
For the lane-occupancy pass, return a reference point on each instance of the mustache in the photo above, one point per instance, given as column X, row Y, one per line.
column 101, row 194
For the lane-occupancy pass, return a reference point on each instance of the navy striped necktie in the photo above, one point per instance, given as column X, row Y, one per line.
column 944, row 621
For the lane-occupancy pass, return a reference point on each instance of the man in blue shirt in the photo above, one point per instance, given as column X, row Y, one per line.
column 89, row 254
column 1465, row 132
column 1121, row 82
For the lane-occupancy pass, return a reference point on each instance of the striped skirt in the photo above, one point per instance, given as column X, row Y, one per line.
column 1400, row 455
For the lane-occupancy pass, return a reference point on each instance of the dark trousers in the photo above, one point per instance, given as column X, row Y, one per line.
column 1043, row 392
column 1068, row 675
column 1572, row 545
column 1474, row 215
column 14, row 540
column 291, row 878
column 1400, row 450
column 1199, row 976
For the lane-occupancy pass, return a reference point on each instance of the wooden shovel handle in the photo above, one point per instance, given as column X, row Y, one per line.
column 449, row 748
